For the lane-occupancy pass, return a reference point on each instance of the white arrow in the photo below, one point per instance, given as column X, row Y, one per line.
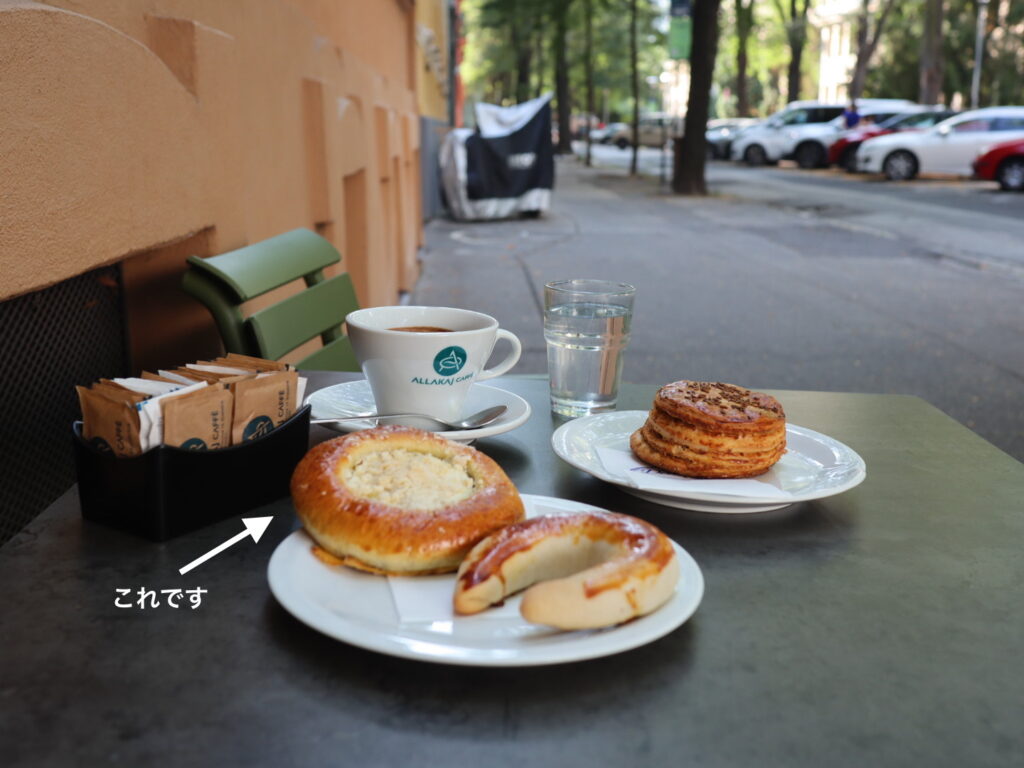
column 254, row 526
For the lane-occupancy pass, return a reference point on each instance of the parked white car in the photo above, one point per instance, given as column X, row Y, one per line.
column 949, row 148
column 765, row 142
column 809, row 144
column 779, row 137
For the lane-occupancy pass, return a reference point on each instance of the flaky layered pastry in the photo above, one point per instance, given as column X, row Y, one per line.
column 401, row 500
column 710, row 429
column 583, row 570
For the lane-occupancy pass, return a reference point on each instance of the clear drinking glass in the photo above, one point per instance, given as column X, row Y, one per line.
column 586, row 326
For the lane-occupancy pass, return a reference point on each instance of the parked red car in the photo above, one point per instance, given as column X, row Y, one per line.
column 1003, row 163
column 844, row 150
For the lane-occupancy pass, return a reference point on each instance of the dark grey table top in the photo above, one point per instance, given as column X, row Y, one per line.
column 880, row 627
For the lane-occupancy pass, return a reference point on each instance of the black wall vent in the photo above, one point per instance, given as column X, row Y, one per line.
column 50, row 340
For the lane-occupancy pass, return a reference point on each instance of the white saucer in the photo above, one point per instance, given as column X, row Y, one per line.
column 413, row 618
column 354, row 397
column 813, row 467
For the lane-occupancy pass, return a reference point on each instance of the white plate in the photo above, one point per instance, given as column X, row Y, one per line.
column 724, row 508
column 813, row 467
column 360, row 608
column 354, row 397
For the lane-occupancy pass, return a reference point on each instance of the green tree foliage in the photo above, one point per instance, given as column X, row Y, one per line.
column 895, row 71
column 767, row 62
column 895, row 68
column 793, row 17
column 489, row 68
column 1002, row 73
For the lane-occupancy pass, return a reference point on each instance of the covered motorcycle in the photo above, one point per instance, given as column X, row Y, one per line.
column 505, row 167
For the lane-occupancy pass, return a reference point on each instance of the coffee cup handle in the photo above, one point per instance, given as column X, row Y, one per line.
column 511, row 359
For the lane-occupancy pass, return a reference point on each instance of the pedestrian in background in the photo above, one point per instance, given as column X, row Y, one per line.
column 850, row 115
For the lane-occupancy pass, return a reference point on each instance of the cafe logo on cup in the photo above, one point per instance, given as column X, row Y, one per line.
column 449, row 361
column 194, row 444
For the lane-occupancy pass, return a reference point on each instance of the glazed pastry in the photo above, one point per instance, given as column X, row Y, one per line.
column 583, row 570
column 710, row 429
column 400, row 500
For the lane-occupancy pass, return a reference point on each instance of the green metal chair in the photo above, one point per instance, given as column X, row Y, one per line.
column 223, row 283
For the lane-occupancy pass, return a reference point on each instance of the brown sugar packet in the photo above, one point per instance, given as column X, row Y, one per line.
column 260, row 365
column 200, row 420
column 247, row 361
column 109, row 422
column 212, row 378
column 156, row 377
column 261, row 404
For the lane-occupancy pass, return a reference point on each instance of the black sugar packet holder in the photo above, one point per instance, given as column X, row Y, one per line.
column 167, row 491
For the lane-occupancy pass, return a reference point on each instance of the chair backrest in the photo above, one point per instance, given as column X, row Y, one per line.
column 223, row 283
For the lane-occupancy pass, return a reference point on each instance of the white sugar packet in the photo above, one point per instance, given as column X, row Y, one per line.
column 626, row 467
column 147, row 386
column 218, row 369
column 176, row 377
column 151, row 415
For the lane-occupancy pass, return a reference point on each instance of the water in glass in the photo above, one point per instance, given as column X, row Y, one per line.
column 585, row 345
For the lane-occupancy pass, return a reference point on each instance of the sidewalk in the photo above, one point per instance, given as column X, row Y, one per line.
column 749, row 292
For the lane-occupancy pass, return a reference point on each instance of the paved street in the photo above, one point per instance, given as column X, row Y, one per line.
column 961, row 194
column 780, row 279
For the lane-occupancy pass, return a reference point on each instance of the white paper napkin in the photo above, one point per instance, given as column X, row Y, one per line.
column 429, row 599
column 630, row 470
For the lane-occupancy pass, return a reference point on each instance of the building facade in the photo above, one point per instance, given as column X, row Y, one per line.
column 136, row 133
column 436, row 90
column 836, row 22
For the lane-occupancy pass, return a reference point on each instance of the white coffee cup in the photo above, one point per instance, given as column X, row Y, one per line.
column 430, row 372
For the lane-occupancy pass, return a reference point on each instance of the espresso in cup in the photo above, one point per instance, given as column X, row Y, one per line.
column 425, row 359
column 422, row 329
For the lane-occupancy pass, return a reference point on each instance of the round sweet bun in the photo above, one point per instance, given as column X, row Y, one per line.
column 400, row 500
column 582, row 571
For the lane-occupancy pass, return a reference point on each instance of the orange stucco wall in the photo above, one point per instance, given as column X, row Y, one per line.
column 129, row 125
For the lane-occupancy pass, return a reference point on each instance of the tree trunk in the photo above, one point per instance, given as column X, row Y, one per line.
column 689, row 176
column 588, row 62
column 520, row 37
column 867, row 43
column 635, row 84
column 931, row 54
column 860, row 67
column 562, row 78
column 540, row 39
column 798, row 36
column 744, row 23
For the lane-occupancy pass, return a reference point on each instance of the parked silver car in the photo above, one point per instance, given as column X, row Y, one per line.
column 655, row 131
column 721, row 132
